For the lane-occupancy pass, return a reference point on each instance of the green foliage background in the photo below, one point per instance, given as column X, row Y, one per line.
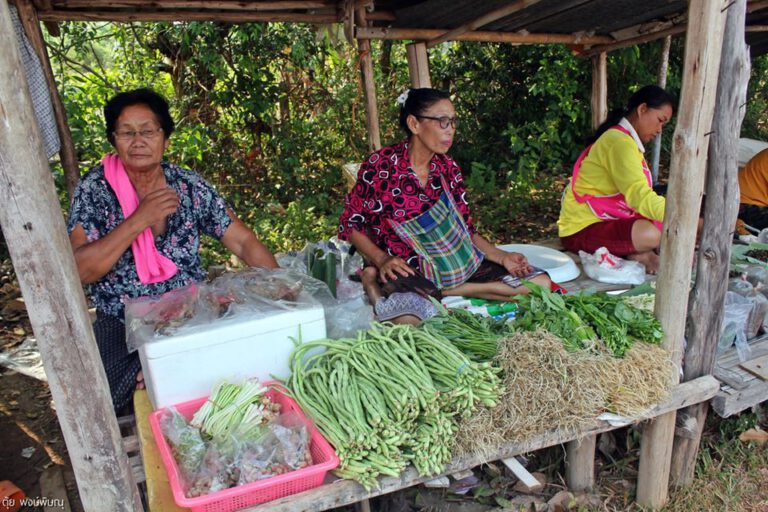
column 269, row 113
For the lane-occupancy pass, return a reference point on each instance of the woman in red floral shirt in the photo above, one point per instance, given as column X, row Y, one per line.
column 402, row 183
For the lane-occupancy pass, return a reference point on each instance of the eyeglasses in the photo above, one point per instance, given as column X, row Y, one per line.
column 128, row 135
column 444, row 121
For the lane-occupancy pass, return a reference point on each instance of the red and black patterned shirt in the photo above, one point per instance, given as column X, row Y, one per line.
column 388, row 188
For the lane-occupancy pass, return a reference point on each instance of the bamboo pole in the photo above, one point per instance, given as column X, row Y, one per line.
column 369, row 86
column 418, row 65
column 67, row 152
column 485, row 19
column 632, row 41
column 722, row 205
column 702, row 60
column 421, row 34
column 33, row 226
column 662, row 81
column 181, row 15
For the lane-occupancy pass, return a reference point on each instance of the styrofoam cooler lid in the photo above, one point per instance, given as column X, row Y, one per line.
column 560, row 267
column 227, row 330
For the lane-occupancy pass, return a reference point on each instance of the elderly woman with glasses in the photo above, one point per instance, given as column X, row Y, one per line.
column 408, row 215
column 135, row 225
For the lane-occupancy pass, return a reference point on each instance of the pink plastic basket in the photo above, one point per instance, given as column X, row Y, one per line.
column 323, row 456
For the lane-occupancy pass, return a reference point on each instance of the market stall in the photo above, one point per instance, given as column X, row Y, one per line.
column 31, row 217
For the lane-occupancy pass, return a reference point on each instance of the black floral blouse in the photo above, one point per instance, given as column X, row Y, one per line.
column 201, row 209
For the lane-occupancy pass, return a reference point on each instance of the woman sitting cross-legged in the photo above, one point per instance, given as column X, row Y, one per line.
column 408, row 215
column 610, row 201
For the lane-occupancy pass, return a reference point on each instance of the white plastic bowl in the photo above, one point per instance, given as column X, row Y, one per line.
column 560, row 267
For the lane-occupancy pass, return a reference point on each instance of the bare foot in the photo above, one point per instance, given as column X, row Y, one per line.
column 370, row 280
column 140, row 380
column 649, row 259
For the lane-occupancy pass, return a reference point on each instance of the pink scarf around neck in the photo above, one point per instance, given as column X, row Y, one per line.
column 151, row 266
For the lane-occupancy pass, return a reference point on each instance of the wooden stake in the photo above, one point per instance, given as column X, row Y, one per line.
column 580, row 464
column 33, row 226
column 418, row 65
column 702, row 60
column 662, row 81
column 599, row 89
column 722, row 205
column 485, row 19
column 421, row 34
column 369, row 86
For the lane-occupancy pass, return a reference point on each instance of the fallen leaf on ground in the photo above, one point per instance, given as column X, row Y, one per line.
column 754, row 434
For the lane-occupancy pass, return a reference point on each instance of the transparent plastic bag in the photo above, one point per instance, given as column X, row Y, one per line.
column 757, row 275
column 186, row 443
column 757, row 315
column 740, row 286
column 217, row 471
column 284, row 447
column 604, row 267
column 733, row 330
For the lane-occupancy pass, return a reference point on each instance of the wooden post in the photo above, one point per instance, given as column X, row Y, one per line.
column 31, row 221
column 580, row 454
column 418, row 65
column 28, row 17
column 662, row 81
column 599, row 89
column 369, row 85
column 722, row 205
column 703, row 44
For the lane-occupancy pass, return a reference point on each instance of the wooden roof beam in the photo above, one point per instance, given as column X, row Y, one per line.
column 490, row 17
column 421, row 34
column 176, row 15
column 645, row 38
column 277, row 5
column 757, row 28
column 757, row 6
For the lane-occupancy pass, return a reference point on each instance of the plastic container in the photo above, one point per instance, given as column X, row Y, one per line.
column 560, row 267
column 323, row 456
column 186, row 366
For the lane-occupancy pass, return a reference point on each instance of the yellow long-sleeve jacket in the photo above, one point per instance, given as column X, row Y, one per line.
column 614, row 165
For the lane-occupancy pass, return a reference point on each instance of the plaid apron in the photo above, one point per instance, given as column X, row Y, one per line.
column 442, row 241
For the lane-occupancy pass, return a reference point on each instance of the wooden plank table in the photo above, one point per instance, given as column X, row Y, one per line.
column 159, row 497
column 741, row 389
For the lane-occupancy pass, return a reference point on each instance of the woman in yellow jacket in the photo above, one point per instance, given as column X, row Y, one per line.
column 610, row 201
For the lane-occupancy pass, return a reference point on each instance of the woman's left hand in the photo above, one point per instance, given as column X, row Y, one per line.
column 516, row 264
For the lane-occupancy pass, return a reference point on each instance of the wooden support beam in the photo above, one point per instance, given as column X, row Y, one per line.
column 485, row 19
column 722, row 205
column 31, row 220
column 369, row 85
column 757, row 6
column 756, row 28
column 421, row 34
column 580, row 464
column 181, row 15
column 599, row 89
column 521, row 473
column 67, row 153
column 418, row 65
column 632, row 41
column 661, row 79
column 344, row 492
column 198, row 5
column 703, row 44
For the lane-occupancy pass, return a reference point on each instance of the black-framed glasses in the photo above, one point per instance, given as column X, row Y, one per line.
column 444, row 121
column 148, row 133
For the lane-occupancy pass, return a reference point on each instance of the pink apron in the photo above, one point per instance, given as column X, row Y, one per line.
column 614, row 206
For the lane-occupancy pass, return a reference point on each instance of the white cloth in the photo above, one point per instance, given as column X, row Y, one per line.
column 38, row 88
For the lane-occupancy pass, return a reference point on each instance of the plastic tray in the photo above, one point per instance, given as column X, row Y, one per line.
column 323, row 456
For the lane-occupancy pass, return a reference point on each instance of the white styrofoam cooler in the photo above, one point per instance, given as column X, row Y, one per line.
column 187, row 366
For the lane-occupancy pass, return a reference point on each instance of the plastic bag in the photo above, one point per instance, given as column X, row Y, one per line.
column 741, row 286
column 607, row 268
column 733, row 330
column 251, row 293
column 757, row 275
column 187, row 445
column 757, row 315
column 217, row 471
column 284, row 447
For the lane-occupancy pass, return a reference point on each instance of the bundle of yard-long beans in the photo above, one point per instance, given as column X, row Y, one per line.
column 389, row 397
column 475, row 335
